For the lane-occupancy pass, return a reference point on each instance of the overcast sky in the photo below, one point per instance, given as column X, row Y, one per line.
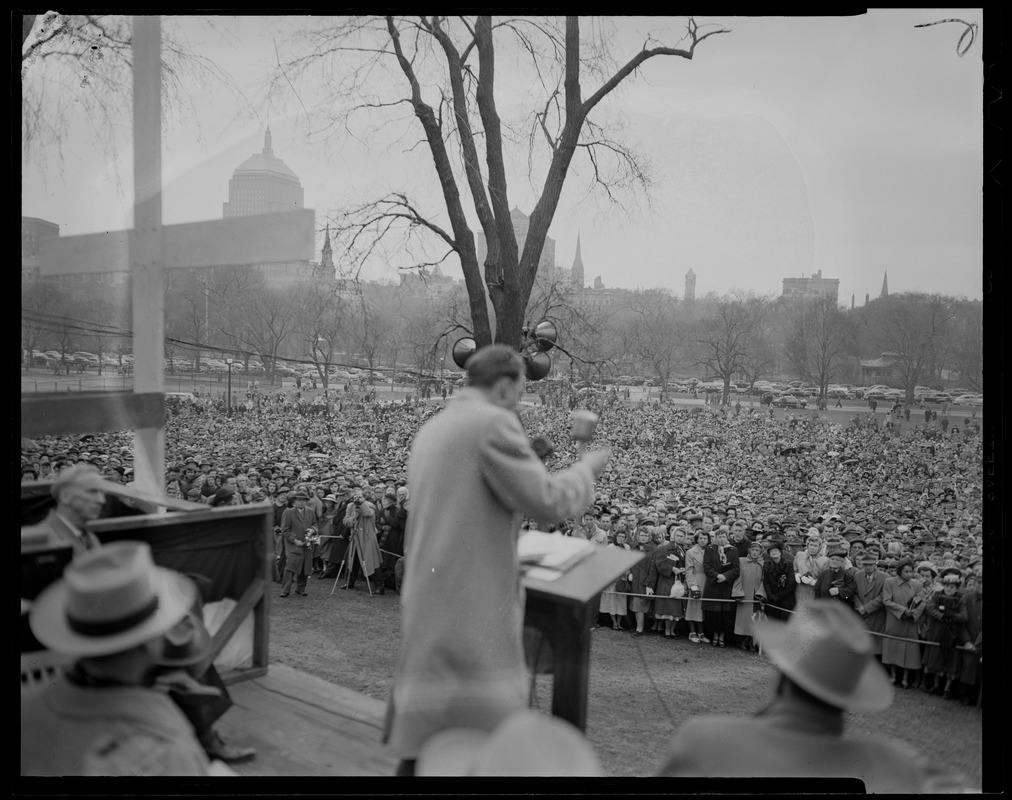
column 850, row 145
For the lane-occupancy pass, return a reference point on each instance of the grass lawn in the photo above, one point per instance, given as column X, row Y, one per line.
column 641, row 688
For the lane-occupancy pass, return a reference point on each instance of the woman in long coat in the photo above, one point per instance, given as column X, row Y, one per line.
column 641, row 580
column 778, row 582
column 946, row 613
column 904, row 599
column 720, row 563
column 326, row 530
column 695, row 579
column 669, row 567
column 613, row 601
column 808, row 566
column 747, row 586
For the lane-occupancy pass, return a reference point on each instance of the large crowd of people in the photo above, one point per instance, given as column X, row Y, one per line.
column 743, row 513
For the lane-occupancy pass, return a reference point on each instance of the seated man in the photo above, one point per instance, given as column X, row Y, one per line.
column 824, row 655
column 116, row 613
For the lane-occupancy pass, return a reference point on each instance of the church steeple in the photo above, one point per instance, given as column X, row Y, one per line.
column 267, row 142
column 576, row 274
column 885, row 284
column 327, row 255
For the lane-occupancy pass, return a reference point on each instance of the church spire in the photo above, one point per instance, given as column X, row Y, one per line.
column 327, row 255
column 267, row 142
column 576, row 274
column 885, row 284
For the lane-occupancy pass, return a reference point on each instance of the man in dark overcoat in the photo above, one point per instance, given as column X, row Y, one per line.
column 297, row 524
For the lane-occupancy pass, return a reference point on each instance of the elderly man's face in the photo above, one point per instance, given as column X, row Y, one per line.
column 84, row 498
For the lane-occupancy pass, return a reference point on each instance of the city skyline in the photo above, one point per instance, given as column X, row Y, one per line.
column 879, row 174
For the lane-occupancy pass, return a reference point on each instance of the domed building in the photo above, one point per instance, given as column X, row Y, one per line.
column 262, row 184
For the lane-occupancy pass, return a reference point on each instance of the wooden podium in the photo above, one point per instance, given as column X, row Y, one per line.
column 564, row 611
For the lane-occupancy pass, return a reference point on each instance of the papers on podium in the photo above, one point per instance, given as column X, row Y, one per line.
column 546, row 556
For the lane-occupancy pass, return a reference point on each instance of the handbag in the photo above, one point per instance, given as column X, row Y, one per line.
column 678, row 590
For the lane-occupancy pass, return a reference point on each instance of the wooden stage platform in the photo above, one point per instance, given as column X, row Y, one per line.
column 302, row 725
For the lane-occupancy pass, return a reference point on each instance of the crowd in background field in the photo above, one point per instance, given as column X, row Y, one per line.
column 695, row 483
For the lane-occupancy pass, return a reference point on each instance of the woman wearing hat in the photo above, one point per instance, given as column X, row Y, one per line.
column 902, row 597
column 747, row 587
column 928, row 575
column 946, row 613
column 669, row 567
column 695, row 579
column 325, row 528
column 808, row 566
column 642, row 580
column 779, row 583
column 614, row 601
column 116, row 614
column 721, row 565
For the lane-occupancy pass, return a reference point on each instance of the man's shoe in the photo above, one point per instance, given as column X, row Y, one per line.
column 217, row 748
column 302, row 593
column 284, row 594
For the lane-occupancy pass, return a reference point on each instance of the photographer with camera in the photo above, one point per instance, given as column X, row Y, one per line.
column 363, row 550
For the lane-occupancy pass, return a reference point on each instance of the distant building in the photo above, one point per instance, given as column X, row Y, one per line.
column 690, row 285
column 33, row 231
column 521, row 224
column 885, row 284
column 425, row 282
column 881, row 369
column 815, row 286
column 264, row 184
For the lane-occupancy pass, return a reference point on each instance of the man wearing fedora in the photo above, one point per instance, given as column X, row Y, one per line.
column 836, row 583
column 119, row 617
column 868, row 583
column 824, row 659
column 297, row 524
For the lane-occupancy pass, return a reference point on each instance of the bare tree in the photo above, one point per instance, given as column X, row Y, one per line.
column 39, row 300
column 729, row 339
column 968, row 344
column 447, row 68
column 820, row 342
column 273, row 317
column 660, row 333
column 76, row 68
column 909, row 326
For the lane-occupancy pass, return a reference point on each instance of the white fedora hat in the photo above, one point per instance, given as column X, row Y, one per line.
column 110, row 599
column 827, row 651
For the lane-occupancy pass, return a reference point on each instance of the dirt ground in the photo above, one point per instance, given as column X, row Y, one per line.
column 641, row 688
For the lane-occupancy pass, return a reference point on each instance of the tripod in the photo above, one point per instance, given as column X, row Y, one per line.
column 350, row 554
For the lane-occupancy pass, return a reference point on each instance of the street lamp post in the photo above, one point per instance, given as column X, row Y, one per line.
column 228, row 363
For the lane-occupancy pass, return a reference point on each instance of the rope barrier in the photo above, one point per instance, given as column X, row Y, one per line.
column 770, row 605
